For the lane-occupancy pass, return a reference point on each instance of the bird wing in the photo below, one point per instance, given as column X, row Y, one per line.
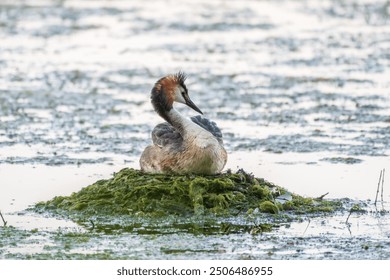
column 208, row 125
column 165, row 134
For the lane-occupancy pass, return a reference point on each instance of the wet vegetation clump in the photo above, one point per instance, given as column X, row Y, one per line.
column 133, row 192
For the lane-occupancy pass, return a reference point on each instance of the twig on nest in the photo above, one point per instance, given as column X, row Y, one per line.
column 381, row 183
column 308, row 224
column 93, row 224
column 349, row 215
column 322, row 196
column 4, row 221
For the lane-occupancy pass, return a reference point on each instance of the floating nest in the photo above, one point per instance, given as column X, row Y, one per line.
column 133, row 192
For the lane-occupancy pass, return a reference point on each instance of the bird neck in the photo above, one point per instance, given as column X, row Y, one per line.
column 164, row 108
column 160, row 101
column 185, row 126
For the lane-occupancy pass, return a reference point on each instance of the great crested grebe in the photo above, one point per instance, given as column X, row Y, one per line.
column 181, row 145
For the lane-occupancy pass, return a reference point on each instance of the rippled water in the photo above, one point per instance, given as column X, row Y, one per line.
column 302, row 76
column 299, row 88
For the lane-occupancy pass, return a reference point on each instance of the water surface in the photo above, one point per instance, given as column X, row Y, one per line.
column 300, row 90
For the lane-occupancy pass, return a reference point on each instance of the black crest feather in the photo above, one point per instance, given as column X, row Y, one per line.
column 181, row 78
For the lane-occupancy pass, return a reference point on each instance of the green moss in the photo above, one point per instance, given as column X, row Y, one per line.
column 304, row 205
column 268, row 207
column 288, row 205
column 261, row 229
column 357, row 208
column 133, row 192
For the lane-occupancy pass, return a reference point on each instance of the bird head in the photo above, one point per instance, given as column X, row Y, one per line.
column 171, row 89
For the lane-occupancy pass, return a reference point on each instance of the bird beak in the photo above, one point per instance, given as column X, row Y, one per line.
column 191, row 104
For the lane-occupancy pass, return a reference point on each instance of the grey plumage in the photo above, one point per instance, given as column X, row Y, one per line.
column 208, row 125
column 165, row 134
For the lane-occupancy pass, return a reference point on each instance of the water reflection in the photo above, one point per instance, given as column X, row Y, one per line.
column 299, row 88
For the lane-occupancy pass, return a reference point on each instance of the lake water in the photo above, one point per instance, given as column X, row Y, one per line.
column 300, row 90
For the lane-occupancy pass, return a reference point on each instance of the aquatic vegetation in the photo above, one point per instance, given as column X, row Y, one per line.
column 135, row 193
column 268, row 207
column 302, row 91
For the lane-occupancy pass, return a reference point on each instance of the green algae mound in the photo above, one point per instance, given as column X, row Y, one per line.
column 133, row 192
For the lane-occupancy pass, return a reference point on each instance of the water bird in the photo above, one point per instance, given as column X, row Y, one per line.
column 181, row 145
